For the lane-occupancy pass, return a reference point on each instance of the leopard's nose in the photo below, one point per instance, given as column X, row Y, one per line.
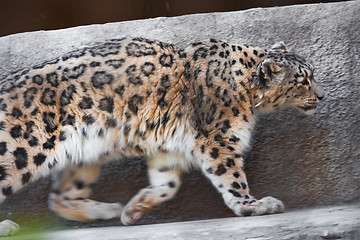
column 319, row 92
column 321, row 97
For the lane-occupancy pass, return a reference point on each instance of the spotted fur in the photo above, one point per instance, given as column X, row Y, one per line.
column 137, row 97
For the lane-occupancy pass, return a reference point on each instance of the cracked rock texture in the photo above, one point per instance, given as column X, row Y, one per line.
column 302, row 160
column 311, row 224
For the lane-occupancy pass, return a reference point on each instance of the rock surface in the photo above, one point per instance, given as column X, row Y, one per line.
column 322, row 223
column 302, row 160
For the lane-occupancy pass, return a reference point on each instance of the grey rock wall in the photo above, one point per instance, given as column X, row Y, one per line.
column 302, row 160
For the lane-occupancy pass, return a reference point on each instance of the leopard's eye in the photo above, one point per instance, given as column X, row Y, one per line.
column 305, row 82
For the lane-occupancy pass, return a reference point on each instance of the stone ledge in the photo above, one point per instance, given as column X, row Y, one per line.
column 335, row 222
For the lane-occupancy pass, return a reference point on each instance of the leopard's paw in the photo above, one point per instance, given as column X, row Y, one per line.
column 131, row 214
column 127, row 219
column 270, row 205
column 264, row 206
column 8, row 228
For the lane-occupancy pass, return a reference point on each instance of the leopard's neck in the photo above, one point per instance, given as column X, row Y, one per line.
column 247, row 60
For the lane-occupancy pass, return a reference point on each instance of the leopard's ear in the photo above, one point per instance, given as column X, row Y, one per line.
column 279, row 46
column 267, row 72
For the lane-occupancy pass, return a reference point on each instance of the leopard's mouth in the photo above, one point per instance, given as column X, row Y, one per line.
column 309, row 106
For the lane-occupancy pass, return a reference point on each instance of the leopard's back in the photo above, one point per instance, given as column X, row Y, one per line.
column 120, row 98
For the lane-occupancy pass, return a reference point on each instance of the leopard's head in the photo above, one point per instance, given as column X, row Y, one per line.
column 284, row 79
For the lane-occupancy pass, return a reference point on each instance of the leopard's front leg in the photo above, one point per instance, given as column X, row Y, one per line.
column 222, row 162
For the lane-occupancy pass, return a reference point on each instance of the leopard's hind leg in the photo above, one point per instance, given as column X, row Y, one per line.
column 70, row 191
column 164, row 176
